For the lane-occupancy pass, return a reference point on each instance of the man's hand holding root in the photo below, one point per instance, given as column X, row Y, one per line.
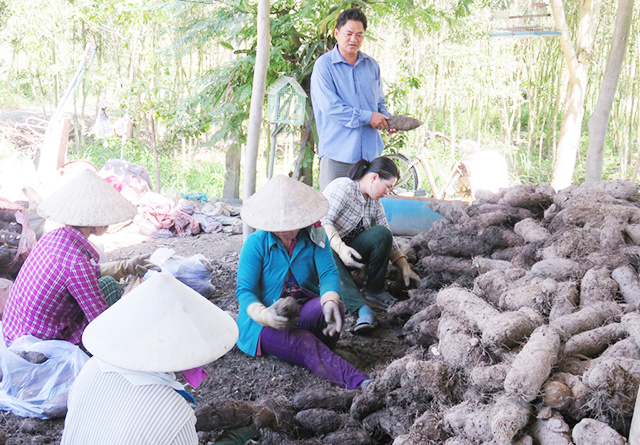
column 379, row 121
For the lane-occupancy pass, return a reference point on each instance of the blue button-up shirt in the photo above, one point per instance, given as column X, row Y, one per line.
column 344, row 98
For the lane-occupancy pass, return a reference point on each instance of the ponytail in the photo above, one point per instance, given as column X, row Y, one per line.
column 359, row 169
column 383, row 166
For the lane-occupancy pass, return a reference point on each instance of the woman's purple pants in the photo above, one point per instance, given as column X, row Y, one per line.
column 306, row 345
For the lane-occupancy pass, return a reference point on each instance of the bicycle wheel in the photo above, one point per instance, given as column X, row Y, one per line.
column 409, row 180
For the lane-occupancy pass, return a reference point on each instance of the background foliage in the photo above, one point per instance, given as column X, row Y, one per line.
column 183, row 71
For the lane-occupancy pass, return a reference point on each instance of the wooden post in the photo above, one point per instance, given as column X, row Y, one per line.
column 599, row 120
column 53, row 153
column 257, row 103
column 63, row 145
column 233, row 158
column 56, row 139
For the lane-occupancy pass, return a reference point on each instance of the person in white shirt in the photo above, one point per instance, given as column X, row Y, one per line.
column 127, row 393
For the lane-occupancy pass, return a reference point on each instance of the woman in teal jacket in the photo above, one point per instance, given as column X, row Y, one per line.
column 291, row 257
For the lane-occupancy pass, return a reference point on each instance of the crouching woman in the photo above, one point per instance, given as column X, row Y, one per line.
column 289, row 257
column 61, row 287
column 360, row 236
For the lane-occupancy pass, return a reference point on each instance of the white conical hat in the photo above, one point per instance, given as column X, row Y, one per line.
column 284, row 204
column 161, row 326
column 87, row 201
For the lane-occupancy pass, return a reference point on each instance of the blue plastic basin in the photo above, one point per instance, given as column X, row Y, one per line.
column 408, row 216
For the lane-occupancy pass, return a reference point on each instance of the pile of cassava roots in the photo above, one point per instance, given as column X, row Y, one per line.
column 526, row 329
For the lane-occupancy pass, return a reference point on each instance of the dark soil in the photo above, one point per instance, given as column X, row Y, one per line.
column 235, row 376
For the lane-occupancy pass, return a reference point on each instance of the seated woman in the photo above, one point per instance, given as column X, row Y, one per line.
column 288, row 256
column 127, row 392
column 59, row 288
column 359, row 235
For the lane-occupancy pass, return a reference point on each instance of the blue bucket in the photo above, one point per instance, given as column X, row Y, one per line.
column 408, row 215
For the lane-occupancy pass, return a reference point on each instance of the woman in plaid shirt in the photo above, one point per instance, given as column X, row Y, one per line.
column 61, row 287
column 359, row 235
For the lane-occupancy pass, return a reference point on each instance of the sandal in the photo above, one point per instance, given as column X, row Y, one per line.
column 365, row 323
column 382, row 298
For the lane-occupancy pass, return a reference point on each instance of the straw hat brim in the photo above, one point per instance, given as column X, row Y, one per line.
column 284, row 204
column 161, row 326
column 87, row 200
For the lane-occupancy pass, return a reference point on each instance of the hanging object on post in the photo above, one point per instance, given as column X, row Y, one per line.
column 286, row 102
column 528, row 18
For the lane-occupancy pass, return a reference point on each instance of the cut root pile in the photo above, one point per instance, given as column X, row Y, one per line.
column 526, row 329
column 530, row 309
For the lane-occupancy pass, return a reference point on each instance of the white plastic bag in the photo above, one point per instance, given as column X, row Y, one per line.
column 194, row 271
column 38, row 390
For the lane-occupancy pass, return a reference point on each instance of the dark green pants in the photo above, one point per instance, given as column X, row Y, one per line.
column 374, row 244
column 110, row 289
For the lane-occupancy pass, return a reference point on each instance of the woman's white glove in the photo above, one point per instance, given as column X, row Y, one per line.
column 267, row 316
column 331, row 311
column 348, row 255
column 407, row 274
column 138, row 265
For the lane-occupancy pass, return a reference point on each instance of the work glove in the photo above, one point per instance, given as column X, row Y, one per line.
column 267, row 316
column 348, row 255
column 331, row 310
column 407, row 274
column 138, row 265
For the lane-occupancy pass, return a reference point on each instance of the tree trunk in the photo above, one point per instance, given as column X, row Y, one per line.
column 635, row 169
column 599, row 120
column 257, row 103
column 532, row 116
column 156, row 152
column 629, row 129
column 10, row 75
column 577, row 58
column 556, row 113
column 56, row 88
column 43, row 93
column 570, row 131
column 232, row 171
column 84, row 105
column 303, row 170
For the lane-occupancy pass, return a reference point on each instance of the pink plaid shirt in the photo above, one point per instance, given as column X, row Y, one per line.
column 56, row 293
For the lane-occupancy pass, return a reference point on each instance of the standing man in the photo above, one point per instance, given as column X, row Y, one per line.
column 348, row 102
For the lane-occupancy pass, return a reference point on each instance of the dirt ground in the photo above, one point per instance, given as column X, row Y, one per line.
column 235, row 376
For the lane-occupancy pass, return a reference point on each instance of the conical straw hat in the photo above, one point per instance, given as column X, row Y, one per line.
column 87, row 201
column 284, row 204
column 161, row 326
